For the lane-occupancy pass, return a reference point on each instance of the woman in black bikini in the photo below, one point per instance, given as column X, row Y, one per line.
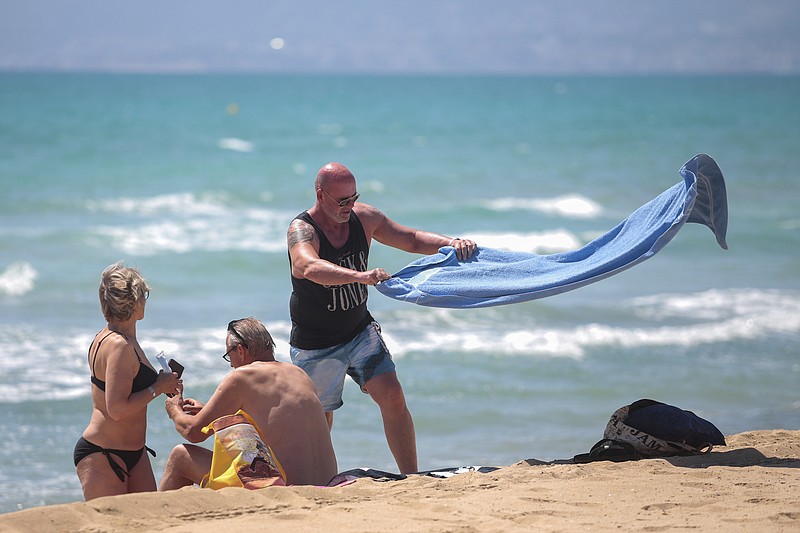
column 111, row 455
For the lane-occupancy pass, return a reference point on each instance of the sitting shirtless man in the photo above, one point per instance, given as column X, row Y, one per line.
column 279, row 397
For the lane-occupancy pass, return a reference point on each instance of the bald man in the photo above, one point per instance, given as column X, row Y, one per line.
column 333, row 333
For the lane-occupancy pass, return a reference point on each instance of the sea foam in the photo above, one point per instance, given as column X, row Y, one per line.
column 18, row 279
column 186, row 222
column 559, row 240
column 236, row 145
column 571, row 206
column 182, row 203
column 681, row 320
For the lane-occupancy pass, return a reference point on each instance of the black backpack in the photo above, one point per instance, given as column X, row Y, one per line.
column 647, row 428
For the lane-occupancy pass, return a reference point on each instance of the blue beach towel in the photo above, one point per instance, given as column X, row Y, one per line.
column 497, row 277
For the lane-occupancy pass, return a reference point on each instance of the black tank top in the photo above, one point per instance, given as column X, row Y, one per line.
column 327, row 315
column 145, row 377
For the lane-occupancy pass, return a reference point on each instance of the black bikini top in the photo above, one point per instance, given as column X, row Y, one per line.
column 146, row 376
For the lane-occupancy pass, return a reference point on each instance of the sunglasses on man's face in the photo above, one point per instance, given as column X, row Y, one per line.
column 344, row 201
column 227, row 355
column 232, row 331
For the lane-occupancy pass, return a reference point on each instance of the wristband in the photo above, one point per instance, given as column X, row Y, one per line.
column 152, row 391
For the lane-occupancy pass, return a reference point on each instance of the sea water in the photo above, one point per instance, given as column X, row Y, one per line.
column 194, row 180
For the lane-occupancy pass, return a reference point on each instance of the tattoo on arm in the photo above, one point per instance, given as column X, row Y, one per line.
column 300, row 233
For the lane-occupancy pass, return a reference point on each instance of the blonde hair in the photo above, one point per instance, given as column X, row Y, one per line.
column 121, row 288
column 256, row 337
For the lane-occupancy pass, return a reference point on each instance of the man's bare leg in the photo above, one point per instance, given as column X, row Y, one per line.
column 397, row 422
column 187, row 464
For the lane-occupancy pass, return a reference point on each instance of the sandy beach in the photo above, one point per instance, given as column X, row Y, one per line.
column 751, row 484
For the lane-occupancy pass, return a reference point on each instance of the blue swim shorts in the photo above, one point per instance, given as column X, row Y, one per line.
column 363, row 358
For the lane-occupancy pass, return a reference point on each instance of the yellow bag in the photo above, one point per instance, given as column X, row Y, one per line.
column 241, row 456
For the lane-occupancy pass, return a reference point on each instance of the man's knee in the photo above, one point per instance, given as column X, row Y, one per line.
column 386, row 391
column 186, row 464
column 177, row 459
column 178, row 454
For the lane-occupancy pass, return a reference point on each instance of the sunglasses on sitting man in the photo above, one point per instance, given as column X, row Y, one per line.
column 232, row 331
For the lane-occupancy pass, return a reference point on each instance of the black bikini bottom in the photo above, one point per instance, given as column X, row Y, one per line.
column 84, row 448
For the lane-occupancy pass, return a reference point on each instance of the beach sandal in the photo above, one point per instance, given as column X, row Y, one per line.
column 609, row 450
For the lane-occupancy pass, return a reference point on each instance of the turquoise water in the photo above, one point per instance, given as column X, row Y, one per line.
column 194, row 179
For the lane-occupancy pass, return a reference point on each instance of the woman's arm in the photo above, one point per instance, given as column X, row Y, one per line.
column 122, row 365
